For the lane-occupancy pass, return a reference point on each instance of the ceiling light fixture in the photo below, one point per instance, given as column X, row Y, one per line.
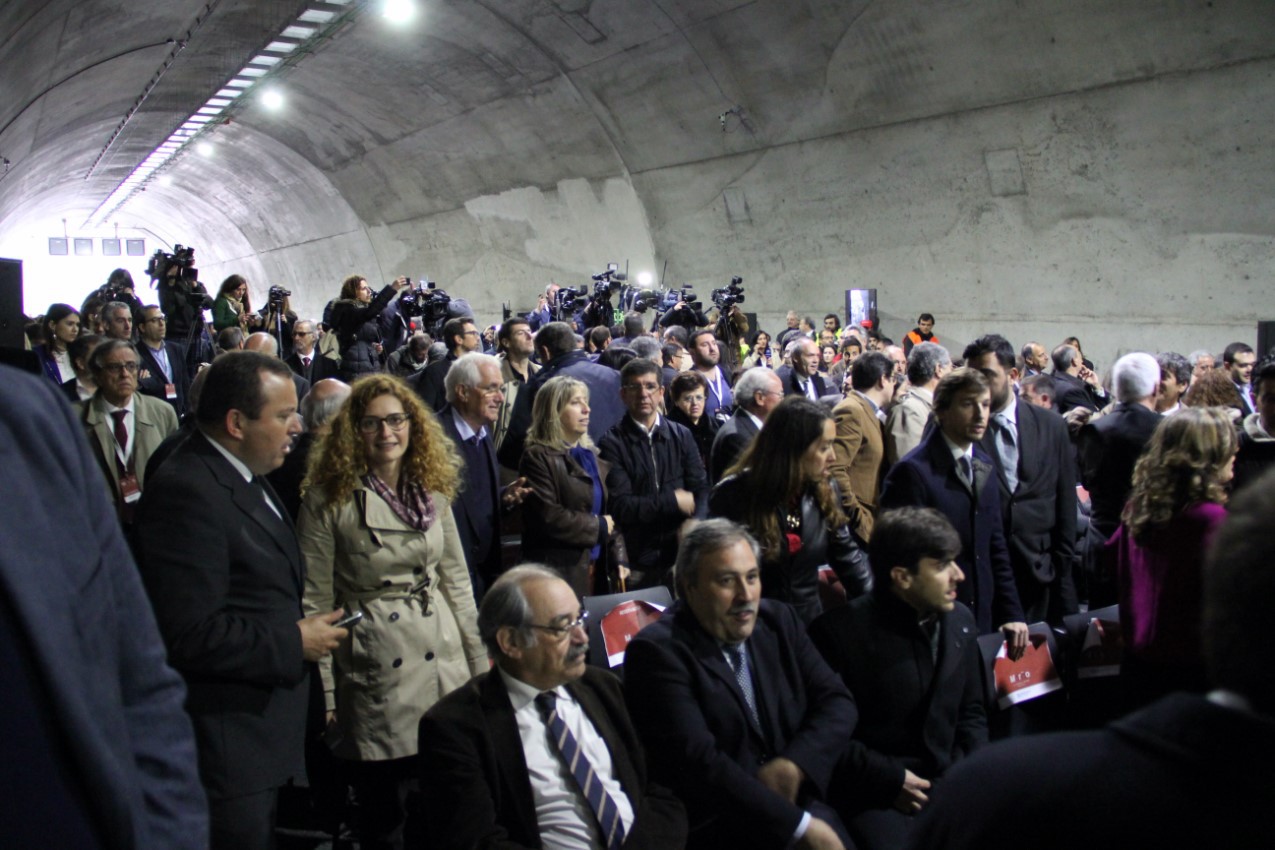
column 316, row 22
column 398, row 11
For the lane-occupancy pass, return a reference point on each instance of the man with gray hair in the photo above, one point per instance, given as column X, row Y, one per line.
column 1201, row 361
column 1175, row 378
column 757, row 392
column 1108, row 448
column 1075, row 385
column 906, row 421
column 475, row 390
column 741, row 716
column 539, row 752
column 117, row 319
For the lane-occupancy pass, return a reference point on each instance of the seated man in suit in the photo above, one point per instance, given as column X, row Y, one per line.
column 860, row 445
column 123, row 426
column 739, row 714
column 909, row 654
column 1075, row 384
column 757, row 392
column 802, row 377
column 951, row 473
column 496, row 754
column 1164, row 776
column 473, row 388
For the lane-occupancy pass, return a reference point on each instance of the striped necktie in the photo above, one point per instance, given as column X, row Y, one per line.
column 604, row 808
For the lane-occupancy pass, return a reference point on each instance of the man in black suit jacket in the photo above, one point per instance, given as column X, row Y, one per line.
column 1074, row 383
column 474, row 394
column 802, row 377
column 909, row 653
column 1165, row 776
column 1037, row 479
column 1109, row 447
column 162, row 367
column 756, row 394
column 220, row 562
column 490, row 772
column 319, row 367
column 461, row 336
column 965, row 491
column 739, row 714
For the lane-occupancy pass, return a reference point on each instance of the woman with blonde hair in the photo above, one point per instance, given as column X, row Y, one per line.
column 781, row 490
column 1174, row 509
column 566, row 525
column 379, row 539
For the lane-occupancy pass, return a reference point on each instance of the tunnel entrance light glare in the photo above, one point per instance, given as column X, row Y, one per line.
column 398, row 11
column 644, row 278
column 204, row 149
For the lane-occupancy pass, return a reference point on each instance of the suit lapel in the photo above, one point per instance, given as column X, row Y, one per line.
column 95, row 418
column 507, row 745
column 621, row 763
column 710, row 656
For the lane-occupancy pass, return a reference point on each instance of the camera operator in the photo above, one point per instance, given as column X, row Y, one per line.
column 681, row 309
column 119, row 287
column 183, row 300
column 354, row 321
column 278, row 318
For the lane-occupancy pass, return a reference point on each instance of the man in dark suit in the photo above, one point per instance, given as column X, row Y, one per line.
column 493, row 772
column 1239, row 359
column 461, row 336
column 555, row 344
column 802, row 377
column 1164, row 776
column 474, row 394
column 1037, row 479
column 1075, row 384
column 1109, row 447
column 318, row 408
column 756, row 393
column 305, row 360
column 739, row 714
column 98, row 751
column 220, row 562
column 264, row 343
column 163, row 372
column 949, row 472
column 909, row 654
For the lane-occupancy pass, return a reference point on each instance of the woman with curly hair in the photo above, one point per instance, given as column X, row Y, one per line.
column 378, row 536
column 566, row 524
column 1174, row 509
column 1215, row 388
column 780, row 489
column 355, row 316
column 688, row 394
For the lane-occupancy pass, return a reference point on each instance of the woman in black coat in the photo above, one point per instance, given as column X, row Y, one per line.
column 688, row 399
column 354, row 323
column 781, row 490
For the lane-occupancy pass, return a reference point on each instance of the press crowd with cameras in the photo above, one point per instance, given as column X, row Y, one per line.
column 394, row 457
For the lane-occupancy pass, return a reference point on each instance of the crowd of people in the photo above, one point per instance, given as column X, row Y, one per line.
column 345, row 525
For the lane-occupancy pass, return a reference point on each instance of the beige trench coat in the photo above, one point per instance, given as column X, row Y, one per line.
column 413, row 646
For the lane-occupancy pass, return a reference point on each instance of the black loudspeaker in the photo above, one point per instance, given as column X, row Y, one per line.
column 12, row 325
column 1265, row 340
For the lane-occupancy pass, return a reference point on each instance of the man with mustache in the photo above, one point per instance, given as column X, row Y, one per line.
column 909, row 654
column 740, row 715
column 539, row 752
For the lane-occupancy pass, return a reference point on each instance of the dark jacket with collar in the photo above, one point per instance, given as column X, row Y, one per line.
column 477, row 507
column 700, row 736
column 155, row 386
column 358, row 332
column 794, row 578
column 644, row 473
column 731, row 440
column 320, row 367
column 927, row 477
column 792, row 386
column 605, row 406
column 1040, row 515
column 1109, row 448
column 429, row 382
column 224, row 575
column 476, row 792
column 1071, row 392
column 915, row 713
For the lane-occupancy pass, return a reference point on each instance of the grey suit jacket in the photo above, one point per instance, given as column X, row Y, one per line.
column 154, row 420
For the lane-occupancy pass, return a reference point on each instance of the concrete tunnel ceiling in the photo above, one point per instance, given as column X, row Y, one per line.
column 1045, row 167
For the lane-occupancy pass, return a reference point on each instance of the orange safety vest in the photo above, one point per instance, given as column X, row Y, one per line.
column 916, row 337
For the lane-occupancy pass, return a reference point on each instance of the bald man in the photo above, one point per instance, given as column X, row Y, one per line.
column 266, row 344
column 317, row 409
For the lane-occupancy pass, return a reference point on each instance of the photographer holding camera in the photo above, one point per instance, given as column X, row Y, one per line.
column 183, row 300
column 278, row 318
column 354, row 321
column 682, row 309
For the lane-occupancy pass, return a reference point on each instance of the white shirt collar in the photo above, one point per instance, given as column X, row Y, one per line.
column 463, row 429
column 238, row 464
column 649, row 432
column 957, row 451
column 521, row 694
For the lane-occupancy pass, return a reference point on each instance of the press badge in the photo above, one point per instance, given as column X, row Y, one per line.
column 130, row 492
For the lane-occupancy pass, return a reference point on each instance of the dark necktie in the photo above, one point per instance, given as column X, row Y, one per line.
column 305, row 361
column 739, row 666
column 600, row 801
column 121, row 435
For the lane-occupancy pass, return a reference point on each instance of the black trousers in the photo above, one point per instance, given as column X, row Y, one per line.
column 244, row 823
column 385, row 815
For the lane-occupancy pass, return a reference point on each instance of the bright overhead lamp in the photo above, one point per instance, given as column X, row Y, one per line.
column 398, row 11
column 204, row 149
column 272, row 99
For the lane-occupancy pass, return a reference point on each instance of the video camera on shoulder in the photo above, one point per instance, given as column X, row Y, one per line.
column 728, row 296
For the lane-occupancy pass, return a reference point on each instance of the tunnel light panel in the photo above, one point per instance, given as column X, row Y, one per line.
column 316, row 18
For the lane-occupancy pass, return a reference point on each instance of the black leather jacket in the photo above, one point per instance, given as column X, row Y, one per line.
column 794, row 578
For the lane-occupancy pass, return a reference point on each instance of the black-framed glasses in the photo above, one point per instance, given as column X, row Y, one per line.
column 562, row 631
column 120, row 368
column 372, row 424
